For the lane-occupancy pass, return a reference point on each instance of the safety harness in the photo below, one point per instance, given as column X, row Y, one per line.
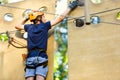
column 11, row 40
column 44, row 64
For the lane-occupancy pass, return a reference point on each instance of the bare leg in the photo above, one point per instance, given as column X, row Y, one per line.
column 38, row 77
column 30, row 78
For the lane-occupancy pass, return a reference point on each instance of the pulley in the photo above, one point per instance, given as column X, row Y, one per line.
column 79, row 22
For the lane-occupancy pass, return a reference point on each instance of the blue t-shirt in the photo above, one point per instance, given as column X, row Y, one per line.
column 37, row 35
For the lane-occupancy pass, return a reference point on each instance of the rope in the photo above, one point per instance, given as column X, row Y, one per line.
column 25, row 9
column 70, row 17
column 97, row 13
column 13, row 7
column 110, row 23
column 9, row 32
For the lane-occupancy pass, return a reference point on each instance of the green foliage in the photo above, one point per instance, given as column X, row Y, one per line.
column 61, row 58
column 3, row 1
column 3, row 37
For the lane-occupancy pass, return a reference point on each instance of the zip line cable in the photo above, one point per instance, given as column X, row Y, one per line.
column 98, row 13
column 26, row 9
column 101, row 13
column 110, row 23
column 12, row 7
column 105, row 11
column 70, row 17
column 9, row 32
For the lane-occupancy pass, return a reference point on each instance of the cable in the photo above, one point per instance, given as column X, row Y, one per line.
column 105, row 11
column 9, row 32
column 70, row 17
column 12, row 7
column 96, row 13
column 25, row 9
column 110, row 22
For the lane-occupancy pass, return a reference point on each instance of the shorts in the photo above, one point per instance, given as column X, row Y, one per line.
column 39, row 70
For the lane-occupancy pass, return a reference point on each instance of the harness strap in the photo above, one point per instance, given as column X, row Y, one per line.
column 41, row 50
column 44, row 64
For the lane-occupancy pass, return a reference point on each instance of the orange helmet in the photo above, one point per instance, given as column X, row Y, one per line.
column 33, row 15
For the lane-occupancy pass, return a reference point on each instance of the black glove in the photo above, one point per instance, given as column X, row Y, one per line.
column 73, row 4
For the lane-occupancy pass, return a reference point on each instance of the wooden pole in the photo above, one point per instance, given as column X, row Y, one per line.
column 87, row 13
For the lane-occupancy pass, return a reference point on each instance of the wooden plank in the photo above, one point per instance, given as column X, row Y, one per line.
column 94, row 52
column 13, row 63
